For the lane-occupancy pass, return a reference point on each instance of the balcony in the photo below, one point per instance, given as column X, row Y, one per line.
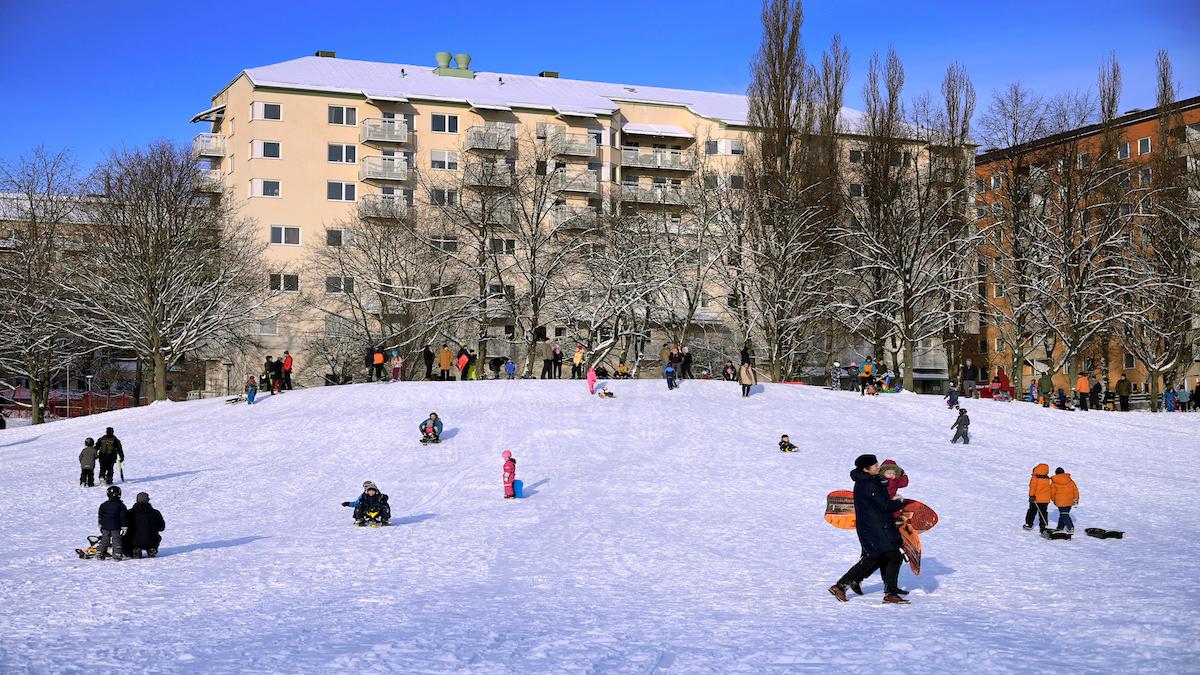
column 488, row 175
column 575, row 181
column 496, row 214
column 497, row 137
column 383, row 168
column 382, row 206
column 673, row 160
column 375, row 130
column 208, row 145
column 210, row 180
column 659, row 194
column 572, row 218
column 581, row 145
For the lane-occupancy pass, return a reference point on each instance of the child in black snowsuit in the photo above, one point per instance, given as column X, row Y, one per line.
column 87, row 464
column 785, row 445
column 962, row 424
column 372, row 501
column 113, row 518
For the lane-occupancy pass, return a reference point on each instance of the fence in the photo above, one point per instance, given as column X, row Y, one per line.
column 62, row 404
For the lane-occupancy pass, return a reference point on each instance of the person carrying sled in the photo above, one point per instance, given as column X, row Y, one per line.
column 87, row 464
column 113, row 518
column 877, row 533
column 952, row 396
column 431, row 429
column 372, row 501
column 510, row 474
column 962, row 426
column 1039, row 498
column 785, row 444
column 145, row 523
column 1065, row 494
column 108, row 452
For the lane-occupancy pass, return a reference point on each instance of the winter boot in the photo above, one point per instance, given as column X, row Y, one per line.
column 856, row 586
column 899, row 591
column 152, row 553
column 1026, row 527
column 838, row 592
column 893, row 599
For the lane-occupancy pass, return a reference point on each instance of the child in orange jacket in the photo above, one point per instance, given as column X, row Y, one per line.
column 1065, row 494
column 1039, row 498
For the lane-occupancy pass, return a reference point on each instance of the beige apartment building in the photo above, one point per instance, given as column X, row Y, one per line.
column 308, row 143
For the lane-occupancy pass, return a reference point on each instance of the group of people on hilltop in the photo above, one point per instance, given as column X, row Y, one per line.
column 276, row 377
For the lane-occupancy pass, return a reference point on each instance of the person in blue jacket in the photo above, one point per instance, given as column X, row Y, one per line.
column 510, row 368
column 876, row 528
column 431, row 428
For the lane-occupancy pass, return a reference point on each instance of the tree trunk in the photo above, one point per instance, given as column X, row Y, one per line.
column 139, row 378
column 1155, row 376
column 829, row 354
column 160, row 376
column 37, row 399
column 1016, row 371
column 909, row 355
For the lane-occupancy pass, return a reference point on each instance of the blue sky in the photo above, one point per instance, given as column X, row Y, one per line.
column 103, row 75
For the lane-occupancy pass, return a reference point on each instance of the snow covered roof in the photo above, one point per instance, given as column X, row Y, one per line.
column 656, row 130
column 395, row 81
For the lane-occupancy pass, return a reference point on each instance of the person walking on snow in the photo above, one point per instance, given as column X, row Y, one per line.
column 378, row 372
column 686, row 363
column 288, row 363
column 251, row 389
column 1045, row 385
column 1123, row 393
column 664, row 354
column 145, row 523
column 427, row 357
column 445, row 363
column 510, row 368
column 970, row 376
column 1065, row 494
column 1039, row 498
column 669, row 373
column 108, row 452
column 877, row 533
column 591, row 380
column 1082, row 388
column 747, row 379
column 1183, row 398
column 431, row 429
column 113, row 518
column 510, row 474
column 835, row 377
column 87, row 464
column 962, row 424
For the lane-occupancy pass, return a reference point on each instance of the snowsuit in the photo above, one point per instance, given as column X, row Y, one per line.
column 591, row 380
column 786, row 446
column 835, row 378
column 877, row 532
column 427, row 356
column 368, row 504
column 145, row 523
column 109, row 452
column 445, row 363
column 1039, row 497
column 510, row 475
column 577, row 364
column 287, row 371
column 865, row 373
column 437, row 428
column 893, row 484
column 510, row 369
column 494, row 365
column 1094, row 395
column 87, row 466
column 251, row 391
column 669, row 373
column 962, row 424
column 1169, row 399
column 746, row 379
column 952, row 397
column 730, row 373
column 397, row 364
column 686, row 362
column 112, row 517
column 1123, row 393
column 1065, row 494
column 1045, row 385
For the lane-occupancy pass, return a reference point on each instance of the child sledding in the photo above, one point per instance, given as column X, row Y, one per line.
column 371, row 508
column 431, row 429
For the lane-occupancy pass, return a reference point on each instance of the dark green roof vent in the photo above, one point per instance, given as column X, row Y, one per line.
column 326, row 54
column 462, row 65
column 549, row 73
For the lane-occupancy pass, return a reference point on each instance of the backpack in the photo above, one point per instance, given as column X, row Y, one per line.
column 106, row 445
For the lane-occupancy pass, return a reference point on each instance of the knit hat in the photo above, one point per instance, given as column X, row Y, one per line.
column 506, row 454
column 368, row 485
column 89, row 442
column 143, row 497
column 1058, row 471
column 864, row 461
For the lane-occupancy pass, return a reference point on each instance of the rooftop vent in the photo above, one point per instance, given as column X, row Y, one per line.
column 462, row 65
column 1132, row 110
column 549, row 73
column 326, row 54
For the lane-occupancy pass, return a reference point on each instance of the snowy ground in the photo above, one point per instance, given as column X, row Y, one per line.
column 662, row 531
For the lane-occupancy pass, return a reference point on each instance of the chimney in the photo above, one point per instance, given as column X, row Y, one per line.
column 326, row 54
column 462, row 67
column 549, row 73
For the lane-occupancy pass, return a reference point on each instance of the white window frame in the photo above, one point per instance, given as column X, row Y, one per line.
column 997, row 182
column 351, row 186
column 258, row 188
column 1149, row 146
column 343, row 147
column 348, row 111
column 449, row 197
column 342, row 285
column 445, row 243
column 446, row 118
column 997, row 289
column 448, row 158
column 341, row 234
column 258, row 111
column 283, row 277
column 258, row 149
column 283, row 231
column 1123, row 150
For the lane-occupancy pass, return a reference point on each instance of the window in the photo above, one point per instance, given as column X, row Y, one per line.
column 1144, row 146
column 445, row 243
column 334, row 237
column 1083, row 160
column 996, row 182
column 737, row 146
column 712, row 147
column 288, row 283
column 443, row 123
column 266, row 111
column 856, row 190
column 997, row 289
column 705, row 299
column 593, row 250
column 997, row 210
column 737, row 182
column 983, row 345
column 980, row 187
column 262, row 187
column 339, row 284
column 343, row 115
column 446, row 160
column 343, row 154
column 281, row 234
column 980, row 211
column 443, row 291
column 1145, row 175
column 999, row 345
column 560, row 332
column 501, row 291
column 264, row 149
column 1123, row 150
column 856, row 156
column 265, row 327
column 504, row 246
column 510, row 331
column 441, row 197
column 339, row 192
column 1128, row 361
column 710, row 181
column 1127, row 209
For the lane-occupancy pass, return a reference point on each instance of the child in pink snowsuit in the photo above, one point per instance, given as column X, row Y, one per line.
column 510, row 474
column 591, row 378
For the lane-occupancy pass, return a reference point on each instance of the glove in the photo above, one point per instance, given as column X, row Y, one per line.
column 1030, row 499
column 1076, row 502
column 345, row 503
column 123, row 531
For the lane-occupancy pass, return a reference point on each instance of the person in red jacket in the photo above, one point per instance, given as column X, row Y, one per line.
column 510, row 474
column 287, row 370
column 895, row 477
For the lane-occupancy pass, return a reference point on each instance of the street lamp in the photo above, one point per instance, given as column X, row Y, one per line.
column 228, row 374
column 89, row 394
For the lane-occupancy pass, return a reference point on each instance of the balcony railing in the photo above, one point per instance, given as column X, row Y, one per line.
column 658, row 159
column 488, row 175
column 674, row 196
column 208, row 145
column 497, row 214
column 582, row 145
column 382, row 206
column 498, row 137
column 375, row 130
column 574, row 218
column 576, row 181
column 210, row 180
column 383, row 168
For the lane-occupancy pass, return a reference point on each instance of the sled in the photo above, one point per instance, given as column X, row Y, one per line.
column 89, row 552
column 372, row 519
column 839, row 512
column 427, row 441
column 910, row 543
column 518, row 489
column 1104, row 534
column 1057, row 534
column 238, row 399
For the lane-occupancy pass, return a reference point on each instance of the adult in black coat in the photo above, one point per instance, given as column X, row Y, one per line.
column 427, row 355
column 145, row 523
column 686, row 363
column 876, row 528
column 108, row 453
column 1094, row 395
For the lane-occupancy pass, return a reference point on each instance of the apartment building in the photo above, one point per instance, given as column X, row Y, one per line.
column 307, row 143
column 1137, row 152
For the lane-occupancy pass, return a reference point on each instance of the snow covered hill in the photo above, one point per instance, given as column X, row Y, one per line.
column 661, row 530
